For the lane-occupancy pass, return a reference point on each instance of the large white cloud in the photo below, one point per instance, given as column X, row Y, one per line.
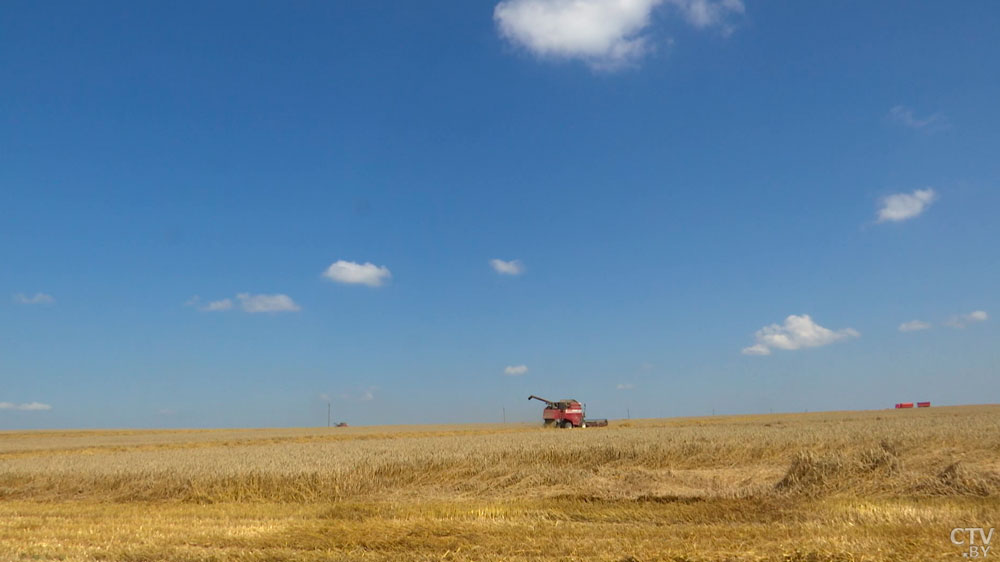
column 353, row 273
column 604, row 33
column 267, row 303
column 902, row 206
column 26, row 407
column 796, row 333
column 512, row 267
column 37, row 298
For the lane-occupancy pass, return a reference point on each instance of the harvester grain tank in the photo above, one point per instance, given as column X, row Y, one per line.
column 566, row 413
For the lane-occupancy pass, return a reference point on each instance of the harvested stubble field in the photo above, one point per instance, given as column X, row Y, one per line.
column 886, row 485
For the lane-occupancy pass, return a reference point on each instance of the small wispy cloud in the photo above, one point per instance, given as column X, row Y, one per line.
column 756, row 349
column 904, row 116
column 37, row 298
column 217, row 306
column 605, row 34
column 266, row 303
column 707, row 13
column 211, row 306
column 914, row 326
column 248, row 303
column 365, row 395
column 515, row 370
column 797, row 332
column 904, row 206
column 625, row 386
column 25, row 407
column 963, row 320
column 512, row 267
column 353, row 273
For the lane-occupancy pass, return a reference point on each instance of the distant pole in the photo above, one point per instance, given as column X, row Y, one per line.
column 328, row 414
column 628, row 413
column 713, row 411
column 504, row 415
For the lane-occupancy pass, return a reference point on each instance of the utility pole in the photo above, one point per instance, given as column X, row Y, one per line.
column 628, row 413
column 328, row 414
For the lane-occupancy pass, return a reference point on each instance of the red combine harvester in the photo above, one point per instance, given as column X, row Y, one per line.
column 910, row 405
column 566, row 413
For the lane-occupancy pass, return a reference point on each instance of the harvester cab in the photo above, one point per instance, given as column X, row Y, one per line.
column 565, row 413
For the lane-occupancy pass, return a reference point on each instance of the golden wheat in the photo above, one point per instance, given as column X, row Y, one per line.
column 830, row 486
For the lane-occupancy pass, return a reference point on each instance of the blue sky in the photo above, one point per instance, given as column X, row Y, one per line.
column 226, row 214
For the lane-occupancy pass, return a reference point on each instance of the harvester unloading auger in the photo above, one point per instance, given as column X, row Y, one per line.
column 566, row 413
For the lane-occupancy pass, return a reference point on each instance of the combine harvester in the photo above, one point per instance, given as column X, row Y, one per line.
column 566, row 413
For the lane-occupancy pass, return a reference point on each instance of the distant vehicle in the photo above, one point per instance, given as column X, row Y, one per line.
column 566, row 414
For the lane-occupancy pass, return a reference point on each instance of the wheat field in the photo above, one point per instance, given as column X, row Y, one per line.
column 839, row 486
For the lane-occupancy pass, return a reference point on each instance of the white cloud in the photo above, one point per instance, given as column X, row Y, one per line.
column 366, row 395
column 706, row 13
column 515, row 370
column 37, row 298
column 756, row 349
column 357, row 274
column 215, row 306
column 248, row 303
column 26, row 407
column 796, row 333
column 606, row 34
column 512, row 267
column 977, row 316
column 964, row 320
column 266, row 303
column 625, row 386
column 904, row 116
column 903, row 206
column 913, row 326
